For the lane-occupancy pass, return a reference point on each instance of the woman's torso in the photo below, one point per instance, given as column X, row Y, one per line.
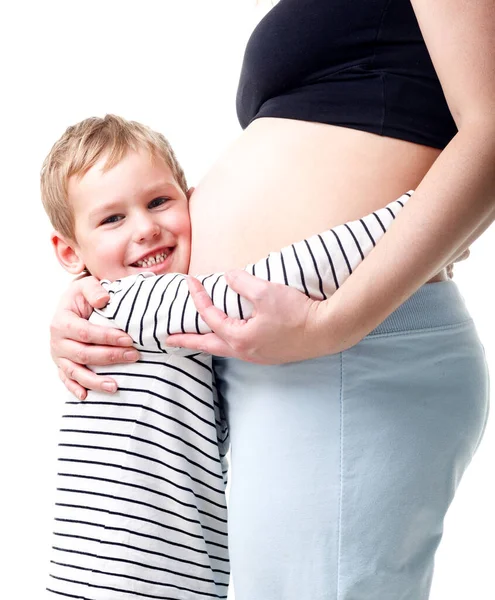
column 283, row 180
column 308, row 67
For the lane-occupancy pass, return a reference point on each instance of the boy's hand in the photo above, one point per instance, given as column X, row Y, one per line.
column 72, row 339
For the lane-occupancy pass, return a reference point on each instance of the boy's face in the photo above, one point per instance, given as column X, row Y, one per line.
column 132, row 218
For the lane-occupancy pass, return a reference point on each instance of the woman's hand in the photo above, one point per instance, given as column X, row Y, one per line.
column 72, row 337
column 283, row 328
column 463, row 256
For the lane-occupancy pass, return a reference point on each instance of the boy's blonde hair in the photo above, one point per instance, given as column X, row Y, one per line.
column 81, row 146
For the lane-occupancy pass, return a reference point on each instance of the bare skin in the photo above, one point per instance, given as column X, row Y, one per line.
column 314, row 176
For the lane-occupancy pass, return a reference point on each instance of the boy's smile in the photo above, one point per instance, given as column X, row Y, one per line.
column 131, row 218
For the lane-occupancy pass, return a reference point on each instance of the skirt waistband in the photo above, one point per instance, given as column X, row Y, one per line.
column 433, row 305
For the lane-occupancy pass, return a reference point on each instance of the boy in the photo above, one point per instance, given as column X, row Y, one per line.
column 141, row 497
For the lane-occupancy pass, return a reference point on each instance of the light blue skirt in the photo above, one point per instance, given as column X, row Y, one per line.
column 343, row 467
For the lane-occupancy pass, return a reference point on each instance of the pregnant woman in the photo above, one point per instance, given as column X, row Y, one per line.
column 353, row 419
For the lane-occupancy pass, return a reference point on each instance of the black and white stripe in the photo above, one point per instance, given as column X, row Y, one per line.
column 140, row 509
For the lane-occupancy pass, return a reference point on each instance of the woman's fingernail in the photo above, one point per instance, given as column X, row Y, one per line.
column 124, row 341
column 108, row 386
column 80, row 395
column 131, row 355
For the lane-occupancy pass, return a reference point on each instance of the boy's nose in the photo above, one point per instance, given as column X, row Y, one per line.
column 146, row 229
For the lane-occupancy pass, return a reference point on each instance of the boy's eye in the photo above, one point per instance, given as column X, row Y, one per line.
column 158, row 201
column 112, row 219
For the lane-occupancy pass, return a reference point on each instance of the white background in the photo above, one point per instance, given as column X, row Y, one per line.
column 174, row 66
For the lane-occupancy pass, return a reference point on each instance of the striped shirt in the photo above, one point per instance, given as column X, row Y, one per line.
column 140, row 508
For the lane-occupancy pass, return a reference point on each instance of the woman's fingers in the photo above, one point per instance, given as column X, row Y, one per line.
column 78, row 377
column 222, row 326
column 68, row 325
column 211, row 315
column 73, row 387
column 93, row 292
column 207, row 342
column 87, row 354
column 463, row 256
column 70, row 319
column 248, row 286
column 75, row 342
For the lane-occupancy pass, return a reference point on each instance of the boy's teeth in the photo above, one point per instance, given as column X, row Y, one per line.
column 152, row 260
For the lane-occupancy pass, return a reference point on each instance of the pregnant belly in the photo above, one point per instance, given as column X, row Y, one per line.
column 283, row 180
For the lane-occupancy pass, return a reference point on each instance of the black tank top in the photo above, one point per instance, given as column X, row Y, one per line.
column 355, row 63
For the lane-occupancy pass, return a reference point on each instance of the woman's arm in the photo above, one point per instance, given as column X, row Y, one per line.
column 451, row 207
column 455, row 202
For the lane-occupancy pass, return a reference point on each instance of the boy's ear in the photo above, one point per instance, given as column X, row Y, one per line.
column 67, row 254
column 189, row 192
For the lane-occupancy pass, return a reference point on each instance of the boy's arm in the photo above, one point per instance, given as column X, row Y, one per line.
column 150, row 308
column 143, row 305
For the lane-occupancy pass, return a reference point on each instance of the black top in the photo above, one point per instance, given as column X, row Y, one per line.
column 355, row 63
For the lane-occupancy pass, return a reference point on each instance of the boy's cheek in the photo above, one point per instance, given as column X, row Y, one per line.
column 179, row 223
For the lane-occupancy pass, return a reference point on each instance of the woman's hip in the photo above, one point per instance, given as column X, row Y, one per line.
column 345, row 465
column 425, row 359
